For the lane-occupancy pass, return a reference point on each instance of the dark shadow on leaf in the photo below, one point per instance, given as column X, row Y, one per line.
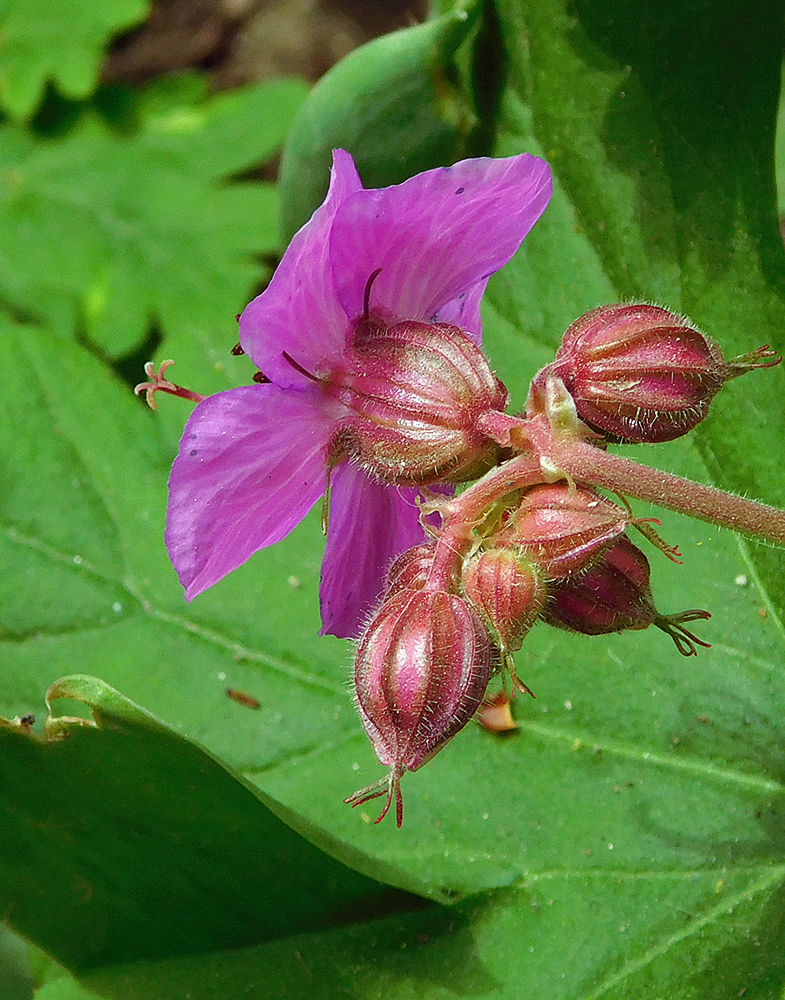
column 130, row 367
column 426, row 953
column 706, row 88
column 735, row 735
column 752, row 966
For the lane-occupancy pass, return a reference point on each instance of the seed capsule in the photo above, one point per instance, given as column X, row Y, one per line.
column 410, row 570
column 642, row 373
column 563, row 529
column 615, row 595
column 508, row 592
column 414, row 392
column 420, row 673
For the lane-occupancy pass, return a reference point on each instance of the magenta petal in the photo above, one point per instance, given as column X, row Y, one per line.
column 251, row 465
column 299, row 312
column 435, row 236
column 465, row 311
column 370, row 525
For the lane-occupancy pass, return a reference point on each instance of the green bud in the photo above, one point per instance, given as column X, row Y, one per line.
column 394, row 104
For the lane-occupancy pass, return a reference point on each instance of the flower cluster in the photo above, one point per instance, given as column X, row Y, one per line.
column 373, row 391
column 371, row 380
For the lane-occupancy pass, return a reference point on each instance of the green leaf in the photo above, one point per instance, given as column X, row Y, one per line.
column 227, row 134
column 779, row 154
column 105, row 234
column 623, row 932
column 596, row 763
column 63, row 42
column 15, row 970
column 392, row 103
column 666, row 178
column 105, row 599
column 121, row 840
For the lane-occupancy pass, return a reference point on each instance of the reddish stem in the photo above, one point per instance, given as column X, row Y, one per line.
column 464, row 511
column 588, row 464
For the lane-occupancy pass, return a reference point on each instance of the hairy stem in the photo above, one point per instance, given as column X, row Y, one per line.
column 588, row 464
column 464, row 511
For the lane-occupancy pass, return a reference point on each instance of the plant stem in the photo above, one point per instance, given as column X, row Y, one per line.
column 588, row 464
column 464, row 511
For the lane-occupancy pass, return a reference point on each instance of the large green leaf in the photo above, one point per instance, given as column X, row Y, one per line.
column 559, row 936
column 62, row 41
column 120, row 840
column 659, row 120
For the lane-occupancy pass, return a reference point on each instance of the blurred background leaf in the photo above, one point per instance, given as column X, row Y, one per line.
column 394, row 104
column 63, row 42
column 104, row 235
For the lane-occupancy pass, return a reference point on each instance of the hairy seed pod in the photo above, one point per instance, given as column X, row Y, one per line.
column 615, row 595
column 563, row 529
column 410, row 570
column 415, row 392
column 640, row 373
column 507, row 590
column 420, row 673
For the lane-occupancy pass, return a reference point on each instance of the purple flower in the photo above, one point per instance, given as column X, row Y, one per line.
column 253, row 460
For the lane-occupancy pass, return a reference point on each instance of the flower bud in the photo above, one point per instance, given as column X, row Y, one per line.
column 410, row 570
column 507, row 591
column 420, row 673
column 642, row 373
column 414, row 392
column 615, row 595
column 563, row 529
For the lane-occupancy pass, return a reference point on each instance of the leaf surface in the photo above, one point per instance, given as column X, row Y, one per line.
column 62, row 42
column 103, row 234
column 123, row 840
column 626, row 841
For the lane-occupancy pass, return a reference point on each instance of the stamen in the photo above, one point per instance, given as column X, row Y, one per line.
column 237, row 350
column 326, row 499
column 159, row 383
column 367, row 298
column 336, row 453
column 298, row 367
column 644, row 526
column 516, row 681
column 260, row 378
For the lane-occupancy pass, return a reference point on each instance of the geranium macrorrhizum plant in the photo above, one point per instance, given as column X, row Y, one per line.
column 372, row 392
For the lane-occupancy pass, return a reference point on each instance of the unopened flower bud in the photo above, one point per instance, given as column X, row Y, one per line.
column 507, row 591
column 414, row 392
column 641, row 373
column 420, row 673
column 615, row 595
column 563, row 529
column 410, row 570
